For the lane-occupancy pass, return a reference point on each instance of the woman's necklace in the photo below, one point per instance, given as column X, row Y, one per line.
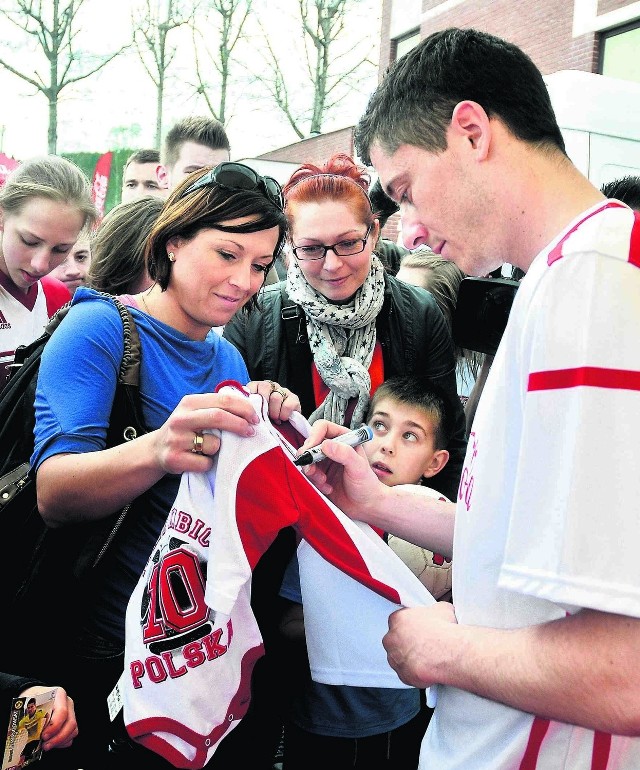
column 144, row 302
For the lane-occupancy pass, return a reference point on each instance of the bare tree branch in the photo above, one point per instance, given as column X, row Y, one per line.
column 50, row 24
column 322, row 24
column 151, row 28
column 229, row 20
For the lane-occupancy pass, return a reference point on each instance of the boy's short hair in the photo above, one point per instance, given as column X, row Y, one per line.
column 420, row 393
column 625, row 189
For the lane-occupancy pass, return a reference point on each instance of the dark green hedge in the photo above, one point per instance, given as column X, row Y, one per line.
column 87, row 162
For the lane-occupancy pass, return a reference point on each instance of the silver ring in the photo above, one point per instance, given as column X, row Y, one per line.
column 198, row 442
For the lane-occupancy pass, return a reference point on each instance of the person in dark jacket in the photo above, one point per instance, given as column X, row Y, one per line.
column 362, row 325
column 332, row 332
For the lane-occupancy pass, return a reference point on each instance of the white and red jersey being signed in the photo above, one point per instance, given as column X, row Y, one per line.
column 547, row 513
column 191, row 637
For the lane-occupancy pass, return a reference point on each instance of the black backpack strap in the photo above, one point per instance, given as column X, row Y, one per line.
column 299, row 358
column 126, row 421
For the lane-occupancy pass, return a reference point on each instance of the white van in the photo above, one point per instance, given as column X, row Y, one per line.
column 599, row 117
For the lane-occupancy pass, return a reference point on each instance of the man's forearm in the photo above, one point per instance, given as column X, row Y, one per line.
column 407, row 511
column 580, row 670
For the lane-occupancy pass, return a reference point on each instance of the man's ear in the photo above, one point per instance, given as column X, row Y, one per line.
column 470, row 122
column 163, row 176
column 437, row 462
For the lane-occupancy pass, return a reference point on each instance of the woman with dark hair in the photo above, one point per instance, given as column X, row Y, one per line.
column 118, row 246
column 208, row 254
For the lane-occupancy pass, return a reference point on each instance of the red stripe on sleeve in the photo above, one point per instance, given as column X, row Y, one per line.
column 538, row 730
column 601, row 751
column 584, row 376
column 634, row 245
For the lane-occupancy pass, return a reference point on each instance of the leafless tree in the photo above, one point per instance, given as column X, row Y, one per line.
column 153, row 20
column 49, row 25
column 331, row 73
column 227, row 18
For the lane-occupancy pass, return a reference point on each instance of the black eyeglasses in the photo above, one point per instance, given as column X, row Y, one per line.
column 237, row 176
column 346, row 248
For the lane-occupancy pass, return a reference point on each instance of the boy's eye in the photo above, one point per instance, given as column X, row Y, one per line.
column 29, row 243
column 410, row 436
column 378, row 426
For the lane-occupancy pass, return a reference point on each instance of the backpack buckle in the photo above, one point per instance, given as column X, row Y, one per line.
column 289, row 312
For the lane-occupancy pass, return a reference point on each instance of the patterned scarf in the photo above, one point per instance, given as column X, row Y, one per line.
column 342, row 339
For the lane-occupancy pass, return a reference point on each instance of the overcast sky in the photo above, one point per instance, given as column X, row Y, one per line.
column 122, row 94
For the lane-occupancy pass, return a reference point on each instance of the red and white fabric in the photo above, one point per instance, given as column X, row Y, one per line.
column 546, row 520
column 191, row 638
column 24, row 315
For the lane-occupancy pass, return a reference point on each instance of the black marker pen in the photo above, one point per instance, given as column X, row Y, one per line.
column 353, row 438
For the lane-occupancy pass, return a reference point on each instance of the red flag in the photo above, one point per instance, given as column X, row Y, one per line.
column 7, row 165
column 101, row 182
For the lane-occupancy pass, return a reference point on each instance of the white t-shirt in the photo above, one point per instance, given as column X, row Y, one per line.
column 547, row 513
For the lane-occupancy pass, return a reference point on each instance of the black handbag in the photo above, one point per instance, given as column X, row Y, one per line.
column 38, row 561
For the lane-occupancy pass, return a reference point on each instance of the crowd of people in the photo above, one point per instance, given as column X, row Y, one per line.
column 528, row 654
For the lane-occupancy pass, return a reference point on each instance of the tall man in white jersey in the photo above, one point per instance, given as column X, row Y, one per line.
column 535, row 665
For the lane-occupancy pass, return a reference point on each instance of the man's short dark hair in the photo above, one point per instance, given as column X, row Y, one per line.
column 625, row 189
column 415, row 100
column 143, row 156
column 201, row 130
column 420, row 393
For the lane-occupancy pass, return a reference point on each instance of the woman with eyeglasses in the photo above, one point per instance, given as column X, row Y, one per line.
column 339, row 325
column 207, row 254
column 332, row 332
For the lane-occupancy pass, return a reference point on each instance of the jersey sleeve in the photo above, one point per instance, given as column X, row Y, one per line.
column 77, row 380
column 578, row 485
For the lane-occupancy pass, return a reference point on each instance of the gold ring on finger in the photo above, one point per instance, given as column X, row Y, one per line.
column 198, row 442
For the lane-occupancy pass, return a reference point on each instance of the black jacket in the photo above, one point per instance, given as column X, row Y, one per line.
column 411, row 331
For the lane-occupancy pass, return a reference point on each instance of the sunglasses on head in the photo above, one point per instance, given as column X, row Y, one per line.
column 237, row 176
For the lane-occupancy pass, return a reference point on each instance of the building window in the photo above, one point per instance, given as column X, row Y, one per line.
column 405, row 43
column 619, row 52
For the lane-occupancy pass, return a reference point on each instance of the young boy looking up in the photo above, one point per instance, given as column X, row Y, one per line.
column 411, row 423
column 363, row 727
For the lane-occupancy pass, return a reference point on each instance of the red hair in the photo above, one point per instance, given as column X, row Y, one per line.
column 338, row 179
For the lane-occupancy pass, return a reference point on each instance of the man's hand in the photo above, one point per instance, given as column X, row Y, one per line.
column 419, row 643
column 345, row 477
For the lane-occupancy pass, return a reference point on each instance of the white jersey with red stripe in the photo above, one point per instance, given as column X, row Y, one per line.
column 191, row 637
column 547, row 510
column 23, row 317
column 19, row 323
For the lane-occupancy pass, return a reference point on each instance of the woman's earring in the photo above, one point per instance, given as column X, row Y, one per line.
column 172, row 257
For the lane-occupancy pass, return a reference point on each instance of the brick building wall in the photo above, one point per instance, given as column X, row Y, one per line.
column 543, row 29
column 315, row 149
